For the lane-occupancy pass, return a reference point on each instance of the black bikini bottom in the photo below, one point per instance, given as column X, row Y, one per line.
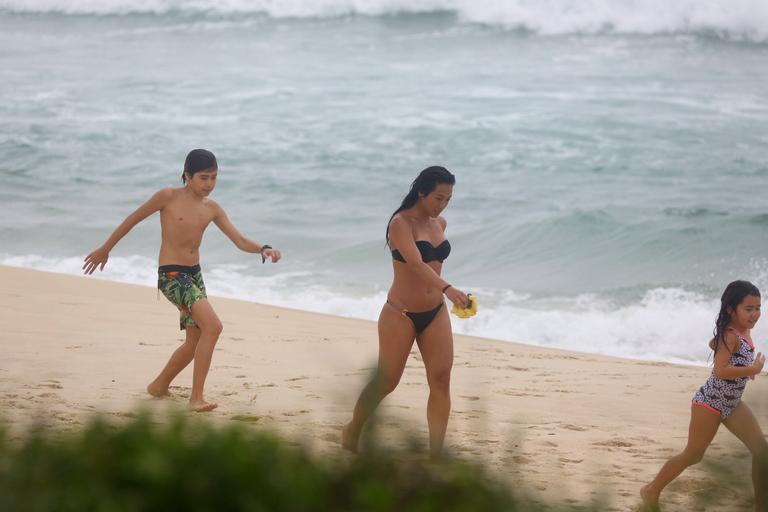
column 422, row 319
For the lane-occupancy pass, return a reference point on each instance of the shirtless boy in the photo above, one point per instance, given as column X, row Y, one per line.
column 185, row 213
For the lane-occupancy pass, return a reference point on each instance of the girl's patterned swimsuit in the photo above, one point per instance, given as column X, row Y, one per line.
column 723, row 395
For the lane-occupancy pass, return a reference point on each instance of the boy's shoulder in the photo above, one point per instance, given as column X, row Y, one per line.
column 168, row 193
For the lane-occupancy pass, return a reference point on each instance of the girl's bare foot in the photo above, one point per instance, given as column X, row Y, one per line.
column 201, row 406
column 157, row 390
column 348, row 440
column 650, row 500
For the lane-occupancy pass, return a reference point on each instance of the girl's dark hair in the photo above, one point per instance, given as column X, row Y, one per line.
column 198, row 160
column 733, row 295
column 424, row 184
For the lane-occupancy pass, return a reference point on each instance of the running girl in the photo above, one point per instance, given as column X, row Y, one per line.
column 185, row 213
column 719, row 399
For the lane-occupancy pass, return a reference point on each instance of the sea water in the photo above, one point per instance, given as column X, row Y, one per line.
column 611, row 156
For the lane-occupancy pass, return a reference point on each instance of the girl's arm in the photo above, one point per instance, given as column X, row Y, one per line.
column 99, row 256
column 724, row 369
column 401, row 237
column 242, row 243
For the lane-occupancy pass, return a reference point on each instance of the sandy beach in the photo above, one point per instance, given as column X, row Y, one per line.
column 568, row 424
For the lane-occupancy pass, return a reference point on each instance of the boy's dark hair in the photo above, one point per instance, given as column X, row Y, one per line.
column 424, row 184
column 733, row 295
column 198, row 160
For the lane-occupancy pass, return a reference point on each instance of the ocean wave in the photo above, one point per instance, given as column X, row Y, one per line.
column 660, row 323
column 742, row 20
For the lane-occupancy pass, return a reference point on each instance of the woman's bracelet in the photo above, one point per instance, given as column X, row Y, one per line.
column 446, row 287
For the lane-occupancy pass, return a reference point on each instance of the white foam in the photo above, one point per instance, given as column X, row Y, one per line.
column 734, row 19
column 667, row 324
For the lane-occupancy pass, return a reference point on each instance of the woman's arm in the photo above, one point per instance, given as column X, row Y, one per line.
column 724, row 369
column 244, row 244
column 98, row 257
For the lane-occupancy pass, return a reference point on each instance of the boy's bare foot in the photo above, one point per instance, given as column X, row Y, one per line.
column 157, row 390
column 201, row 406
column 650, row 500
column 348, row 441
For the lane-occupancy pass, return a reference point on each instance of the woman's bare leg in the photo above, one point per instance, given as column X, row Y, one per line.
column 701, row 431
column 436, row 347
column 396, row 336
column 179, row 360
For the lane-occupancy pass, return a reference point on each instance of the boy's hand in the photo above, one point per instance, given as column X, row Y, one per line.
column 271, row 253
column 97, row 258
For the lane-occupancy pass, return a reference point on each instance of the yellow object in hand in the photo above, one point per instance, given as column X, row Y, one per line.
column 468, row 311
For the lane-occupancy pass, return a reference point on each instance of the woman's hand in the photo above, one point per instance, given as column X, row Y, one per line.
column 97, row 258
column 457, row 296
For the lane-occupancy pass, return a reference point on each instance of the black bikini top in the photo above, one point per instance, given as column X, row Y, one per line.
column 428, row 251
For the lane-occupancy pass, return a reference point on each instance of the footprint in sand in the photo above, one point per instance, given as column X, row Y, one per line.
column 331, row 437
column 121, row 414
column 470, row 397
column 518, row 459
column 247, row 418
column 350, row 374
column 53, row 384
column 294, row 379
column 73, row 347
column 181, row 391
column 512, row 392
column 615, row 443
column 577, row 428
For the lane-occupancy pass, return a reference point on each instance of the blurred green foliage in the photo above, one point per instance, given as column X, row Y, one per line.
column 192, row 466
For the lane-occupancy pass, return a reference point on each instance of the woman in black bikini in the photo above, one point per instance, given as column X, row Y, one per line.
column 415, row 307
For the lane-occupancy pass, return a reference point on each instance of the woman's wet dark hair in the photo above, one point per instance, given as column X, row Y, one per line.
column 198, row 160
column 424, row 184
column 733, row 295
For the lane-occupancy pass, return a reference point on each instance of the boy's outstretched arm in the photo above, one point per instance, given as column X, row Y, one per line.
column 242, row 243
column 98, row 257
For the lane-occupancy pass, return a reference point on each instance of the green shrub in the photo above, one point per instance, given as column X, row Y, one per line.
column 184, row 465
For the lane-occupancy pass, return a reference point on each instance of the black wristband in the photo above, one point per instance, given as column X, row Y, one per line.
column 446, row 287
column 261, row 251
